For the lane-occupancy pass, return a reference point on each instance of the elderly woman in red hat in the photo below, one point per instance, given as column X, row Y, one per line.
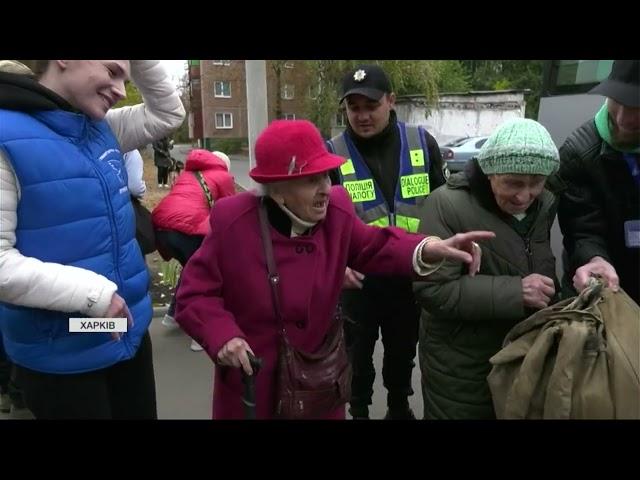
column 225, row 301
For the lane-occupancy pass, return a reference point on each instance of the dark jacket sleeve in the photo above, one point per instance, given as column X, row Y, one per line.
column 161, row 147
column 580, row 213
column 451, row 293
column 334, row 176
column 436, row 167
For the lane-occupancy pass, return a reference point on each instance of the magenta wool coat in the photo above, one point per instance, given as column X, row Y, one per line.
column 225, row 293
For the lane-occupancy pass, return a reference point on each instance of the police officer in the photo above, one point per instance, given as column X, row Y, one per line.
column 391, row 169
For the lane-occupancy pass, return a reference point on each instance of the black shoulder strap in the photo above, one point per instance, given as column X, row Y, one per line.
column 274, row 279
column 205, row 187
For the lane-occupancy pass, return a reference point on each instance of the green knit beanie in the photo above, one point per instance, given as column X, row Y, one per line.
column 519, row 146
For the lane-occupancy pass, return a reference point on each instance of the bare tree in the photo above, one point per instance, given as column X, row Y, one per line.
column 277, row 68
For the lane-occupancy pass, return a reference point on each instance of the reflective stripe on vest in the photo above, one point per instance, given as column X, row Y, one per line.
column 381, row 222
column 413, row 187
column 347, row 167
column 408, row 223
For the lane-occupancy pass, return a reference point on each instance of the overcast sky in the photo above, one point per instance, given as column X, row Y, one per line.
column 176, row 69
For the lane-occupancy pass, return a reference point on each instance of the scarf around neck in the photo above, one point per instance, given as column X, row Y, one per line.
column 604, row 130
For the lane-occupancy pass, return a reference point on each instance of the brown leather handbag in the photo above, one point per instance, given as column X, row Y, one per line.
column 309, row 385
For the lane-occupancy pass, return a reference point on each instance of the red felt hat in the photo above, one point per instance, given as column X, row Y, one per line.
column 289, row 149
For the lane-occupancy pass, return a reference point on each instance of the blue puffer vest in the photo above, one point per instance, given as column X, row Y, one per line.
column 74, row 210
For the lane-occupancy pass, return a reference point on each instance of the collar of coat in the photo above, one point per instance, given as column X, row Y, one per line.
column 603, row 125
column 279, row 219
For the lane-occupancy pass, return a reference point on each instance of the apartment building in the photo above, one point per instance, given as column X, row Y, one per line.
column 219, row 98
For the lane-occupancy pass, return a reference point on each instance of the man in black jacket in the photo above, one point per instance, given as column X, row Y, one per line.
column 391, row 169
column 599, row 210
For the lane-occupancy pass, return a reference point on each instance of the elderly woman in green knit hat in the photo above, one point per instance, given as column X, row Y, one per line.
column 465, row 318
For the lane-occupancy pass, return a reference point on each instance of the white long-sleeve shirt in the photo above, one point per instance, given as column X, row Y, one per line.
column 29, row 282
column 134, row 164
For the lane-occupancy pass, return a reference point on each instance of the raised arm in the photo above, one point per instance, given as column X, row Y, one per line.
column 161, row 113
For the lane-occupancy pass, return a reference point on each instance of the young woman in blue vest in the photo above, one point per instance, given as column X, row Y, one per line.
column 67, row 242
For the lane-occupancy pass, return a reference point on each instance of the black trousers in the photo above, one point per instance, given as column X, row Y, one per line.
column 5, row 369
column 7, row 378
column 125, row 390
column 182, row 247
column 163, row 175
column 179, row 245
column 385, row 305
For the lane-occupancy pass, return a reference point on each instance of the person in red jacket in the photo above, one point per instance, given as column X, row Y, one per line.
column 181, row 219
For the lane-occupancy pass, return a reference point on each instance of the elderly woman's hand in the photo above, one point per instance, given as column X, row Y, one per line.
column 234, row 354
column 462, row 247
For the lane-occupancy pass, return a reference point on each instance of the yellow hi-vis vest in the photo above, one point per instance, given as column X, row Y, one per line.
column 410, row 194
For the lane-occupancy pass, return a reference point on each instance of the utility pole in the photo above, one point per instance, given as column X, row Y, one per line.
column 257, row 116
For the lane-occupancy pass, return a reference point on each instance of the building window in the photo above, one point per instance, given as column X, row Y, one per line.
column 289, row 116
column 341, row 121
column 223, row 89
column 226, row 63
column 224, row 120
column 288, row 64
column 577, row 72
column 288, row 91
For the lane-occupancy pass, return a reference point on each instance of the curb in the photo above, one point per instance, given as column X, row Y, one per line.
column 160, row 311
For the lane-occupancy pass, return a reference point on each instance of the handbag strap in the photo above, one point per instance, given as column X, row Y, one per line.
column 205, row 187
column 274, row 278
